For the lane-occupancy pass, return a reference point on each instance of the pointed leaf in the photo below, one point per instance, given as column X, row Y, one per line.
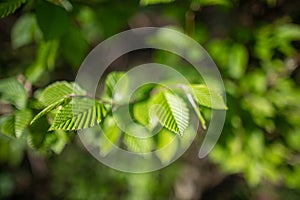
column 12, row 91
column 22, row 119
column 204, row 97
column 8, row 7
column 171, row 111
column 79, row 113
column 50, row 108
column 59, row 90
column 111, row 81
column 138, row 145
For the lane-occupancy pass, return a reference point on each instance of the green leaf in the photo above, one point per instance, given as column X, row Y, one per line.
column 79, row 113
column 35, row 140
column 45, row 60
column 165, row 149
column 111, row 81
column 139, row 145
column 50, row 108
column 109, row 137
column 141, row 112
column 38, row 133
column 196, row 109
column 207, row 98
column 142, row 93
column 53, row 20
column 12, row 91
column 22, row 119
column 8, row 7
column 8, row 126
column 171, row 111
column 25, row 31
column 59, row 90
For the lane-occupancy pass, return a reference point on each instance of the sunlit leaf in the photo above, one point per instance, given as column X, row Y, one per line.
column 171, row 111
column 111, row 81
column 138, row 145
column 79, row 113
column 141, row 112
column 59, row 90
column 207, row 98
column 50, row 108
column 110, row 136
column 167, row 145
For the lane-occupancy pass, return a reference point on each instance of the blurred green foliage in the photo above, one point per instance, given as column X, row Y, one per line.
column 254, row 43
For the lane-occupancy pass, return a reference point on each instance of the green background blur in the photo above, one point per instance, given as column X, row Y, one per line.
column 254, row 43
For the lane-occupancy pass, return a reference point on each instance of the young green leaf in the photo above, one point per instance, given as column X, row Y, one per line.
column 111, row 81
column 141, row 112
column 166, row 146
column 79, row 113
column 138, row 145
column 22, row 119
column 59, row 90
column 109, row 137
column 171, row 111
column 12, row 91
column 50, row 108
column 35, row 140
column 208, row 98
